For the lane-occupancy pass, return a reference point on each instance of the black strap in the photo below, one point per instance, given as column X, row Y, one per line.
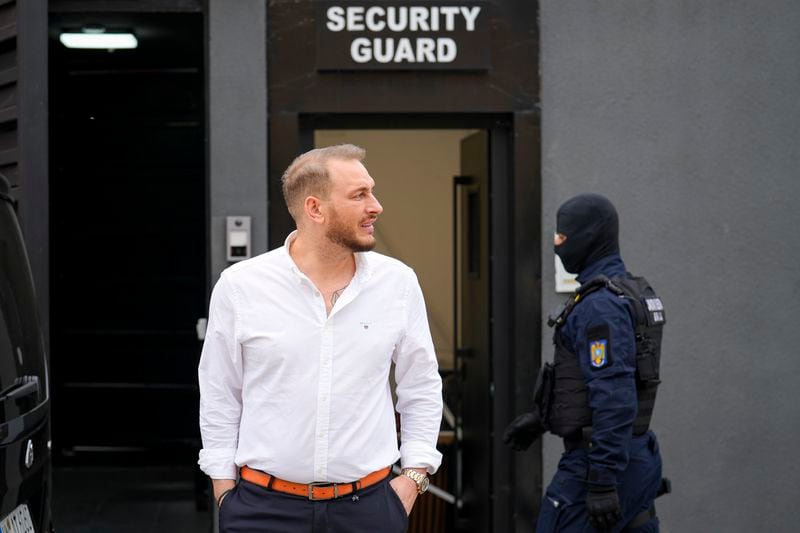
column 641, row 519
column 665, row 487
column 579, row 441
column 559, row 316
column 577, row 444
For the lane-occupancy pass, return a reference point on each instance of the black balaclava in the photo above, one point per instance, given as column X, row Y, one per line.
column 590, row 223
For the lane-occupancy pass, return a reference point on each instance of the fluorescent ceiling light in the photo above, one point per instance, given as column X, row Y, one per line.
column 100, row 41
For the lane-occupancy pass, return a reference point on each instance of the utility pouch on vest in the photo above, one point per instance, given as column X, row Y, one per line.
column 647, row 368
column 650, row 319
column 543, row 394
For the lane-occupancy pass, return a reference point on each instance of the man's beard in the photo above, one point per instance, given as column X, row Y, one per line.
column 343, row 235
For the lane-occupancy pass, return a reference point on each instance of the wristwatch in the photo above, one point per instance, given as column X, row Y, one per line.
column 420, row 479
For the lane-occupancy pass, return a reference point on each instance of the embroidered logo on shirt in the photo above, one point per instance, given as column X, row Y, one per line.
column 597, row 351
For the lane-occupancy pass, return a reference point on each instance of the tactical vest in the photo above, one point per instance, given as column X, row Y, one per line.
column 561, row 394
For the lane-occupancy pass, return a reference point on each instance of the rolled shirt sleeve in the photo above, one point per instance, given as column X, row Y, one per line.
column 419, row 386
column 220, row 380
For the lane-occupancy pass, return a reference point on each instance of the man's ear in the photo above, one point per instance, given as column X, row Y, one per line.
column 313, row 209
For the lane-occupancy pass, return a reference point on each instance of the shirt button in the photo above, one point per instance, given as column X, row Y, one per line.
column 316, row 294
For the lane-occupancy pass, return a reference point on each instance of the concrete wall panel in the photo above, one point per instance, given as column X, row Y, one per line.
column 237, row 94
column 686, row 115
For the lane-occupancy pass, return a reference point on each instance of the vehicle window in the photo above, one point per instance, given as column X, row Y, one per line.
column 9, row 365
column 21, row 352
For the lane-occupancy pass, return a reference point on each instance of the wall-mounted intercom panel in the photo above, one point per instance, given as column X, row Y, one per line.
column 238, row 238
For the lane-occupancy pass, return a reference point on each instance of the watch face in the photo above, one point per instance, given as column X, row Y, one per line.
column 423, row 486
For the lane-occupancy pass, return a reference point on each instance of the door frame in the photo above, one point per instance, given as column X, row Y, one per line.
column 515, row 259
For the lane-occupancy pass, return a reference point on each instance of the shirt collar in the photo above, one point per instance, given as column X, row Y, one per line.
column 363, row 263
column 289, row 260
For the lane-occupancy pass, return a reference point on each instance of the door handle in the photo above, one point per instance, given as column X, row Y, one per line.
column 22, row 387
column 200, row 327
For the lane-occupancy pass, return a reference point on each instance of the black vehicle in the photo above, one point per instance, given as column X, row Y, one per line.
column 24, row 398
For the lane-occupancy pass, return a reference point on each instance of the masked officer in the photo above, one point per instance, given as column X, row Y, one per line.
column 599, row 392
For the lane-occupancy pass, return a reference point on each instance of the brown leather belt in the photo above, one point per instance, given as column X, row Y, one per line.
column 313, row 491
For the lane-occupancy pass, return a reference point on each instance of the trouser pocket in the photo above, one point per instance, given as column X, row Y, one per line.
column 400, row 517
column 564, row 505
column 225, row 506
column 548, row 514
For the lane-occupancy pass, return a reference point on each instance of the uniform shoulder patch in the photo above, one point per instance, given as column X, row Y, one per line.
column 597, row 352
column 598, row 338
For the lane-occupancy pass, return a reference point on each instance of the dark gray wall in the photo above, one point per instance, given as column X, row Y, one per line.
column 686, row 114
column 32, row 147
column 237, row 100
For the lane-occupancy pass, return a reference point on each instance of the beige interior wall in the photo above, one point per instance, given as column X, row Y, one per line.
column 413, row 172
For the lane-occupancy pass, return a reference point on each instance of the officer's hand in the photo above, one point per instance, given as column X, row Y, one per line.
column 523, row 431
column 602, row 504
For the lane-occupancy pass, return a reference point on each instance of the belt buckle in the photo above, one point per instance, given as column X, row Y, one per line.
column 322, row 484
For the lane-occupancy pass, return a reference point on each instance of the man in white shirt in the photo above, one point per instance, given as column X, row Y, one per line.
column 294, row 376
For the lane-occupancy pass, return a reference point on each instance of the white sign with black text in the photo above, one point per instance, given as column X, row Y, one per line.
column 357, row 36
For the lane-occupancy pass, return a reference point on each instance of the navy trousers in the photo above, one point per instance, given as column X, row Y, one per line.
column 250, row 508
column 564, row 506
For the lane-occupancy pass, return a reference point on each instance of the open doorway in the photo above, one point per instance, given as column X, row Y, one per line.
column 128, row 238
column 434, row 188
column 413, row 172
column 128, row 270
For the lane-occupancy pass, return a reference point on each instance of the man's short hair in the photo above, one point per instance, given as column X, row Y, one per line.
column 308, row 174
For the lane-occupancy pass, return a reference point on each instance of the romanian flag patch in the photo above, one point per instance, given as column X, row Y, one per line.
column 597, row 353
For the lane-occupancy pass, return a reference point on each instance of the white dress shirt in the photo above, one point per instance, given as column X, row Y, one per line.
column 289, row 390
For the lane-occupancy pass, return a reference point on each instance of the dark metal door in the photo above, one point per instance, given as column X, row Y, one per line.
column 473, row 357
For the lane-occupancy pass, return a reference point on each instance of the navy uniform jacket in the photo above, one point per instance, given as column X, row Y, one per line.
column 602, row 325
